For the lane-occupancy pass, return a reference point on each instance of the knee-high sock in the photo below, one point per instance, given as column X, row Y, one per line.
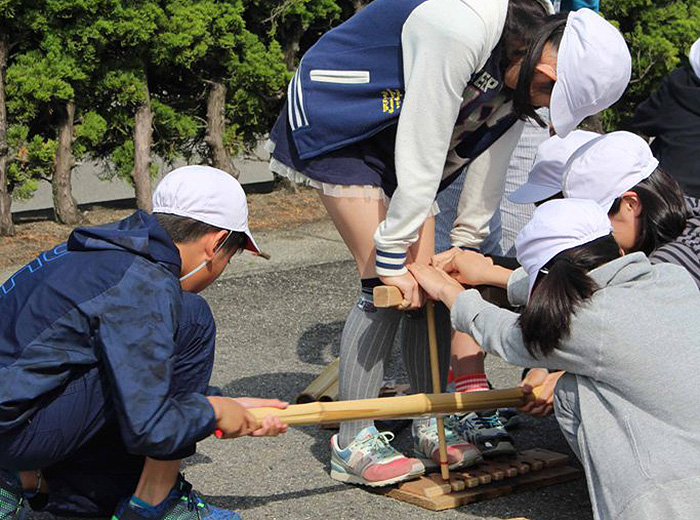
column 416, row 350
column 365, row 345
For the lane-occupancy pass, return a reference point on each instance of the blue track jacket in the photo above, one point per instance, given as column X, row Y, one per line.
column 108, row 297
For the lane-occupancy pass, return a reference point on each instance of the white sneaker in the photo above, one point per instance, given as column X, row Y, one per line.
column 370, row 460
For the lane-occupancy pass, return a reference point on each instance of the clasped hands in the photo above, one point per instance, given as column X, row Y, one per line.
column 443, row 278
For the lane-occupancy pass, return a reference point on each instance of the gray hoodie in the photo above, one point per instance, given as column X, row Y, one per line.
column 635, row 349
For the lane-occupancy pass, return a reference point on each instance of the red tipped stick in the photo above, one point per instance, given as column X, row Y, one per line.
column 218, row 434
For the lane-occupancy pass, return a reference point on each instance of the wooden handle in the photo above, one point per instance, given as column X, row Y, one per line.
column 387, row 296
column 394, row 407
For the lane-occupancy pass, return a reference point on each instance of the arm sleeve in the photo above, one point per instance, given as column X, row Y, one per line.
column 137, row 322
column 518, row 287
column 649, row 117
column 681, row 254
column 498, row 332
column 440, row 57
column 483, row 190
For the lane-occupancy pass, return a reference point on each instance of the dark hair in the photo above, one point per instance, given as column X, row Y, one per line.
column 550, row 31
column 664, row 211
column 523, row 19
column 184, row 229
column 559, row 289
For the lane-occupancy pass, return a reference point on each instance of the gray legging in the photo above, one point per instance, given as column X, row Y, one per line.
column 366, row 345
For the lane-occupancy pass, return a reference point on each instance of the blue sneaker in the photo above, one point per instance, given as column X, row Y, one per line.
column 12, row 503
column 485, row 430
column 182, row 503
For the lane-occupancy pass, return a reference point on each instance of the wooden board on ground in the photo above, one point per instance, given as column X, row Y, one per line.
column 529, row 469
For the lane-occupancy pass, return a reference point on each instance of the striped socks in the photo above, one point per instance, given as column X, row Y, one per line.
column 471, row 383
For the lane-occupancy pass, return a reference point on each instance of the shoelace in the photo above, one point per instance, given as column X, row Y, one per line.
column 487, row 421
column 193, row 501
column 379, row 444
column 191, row 498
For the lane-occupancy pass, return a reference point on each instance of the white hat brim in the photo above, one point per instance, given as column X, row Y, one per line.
column 562, row 118
column 531, row 193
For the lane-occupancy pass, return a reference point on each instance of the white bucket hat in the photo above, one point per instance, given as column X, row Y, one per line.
column 694, row 58
column 608, row 167
column 593, row 69
column 205, row 194
column 556, row 226
column 544, row 179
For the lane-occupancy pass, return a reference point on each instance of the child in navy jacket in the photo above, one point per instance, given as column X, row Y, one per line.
column 105, row 361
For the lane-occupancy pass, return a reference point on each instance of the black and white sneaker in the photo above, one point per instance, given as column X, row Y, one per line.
column 486, row 431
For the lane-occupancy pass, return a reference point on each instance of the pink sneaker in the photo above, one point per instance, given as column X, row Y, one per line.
column 460, row 453
column 370, row 460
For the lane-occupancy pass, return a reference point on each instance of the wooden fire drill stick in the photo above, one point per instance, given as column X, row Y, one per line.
column 435, row 369
column 394, row 407
column 388, row 296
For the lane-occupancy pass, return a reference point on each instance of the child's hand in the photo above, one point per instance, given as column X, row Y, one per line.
column 257, row 402
column 232, row 420
column 544, row 404
column 441, row 259
column 412, row 297
column 436, row 283
column 470, row 268
column 271, row 426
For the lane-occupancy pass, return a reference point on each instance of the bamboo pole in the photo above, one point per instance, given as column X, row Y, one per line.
column 394, row 407
column 331, row 393
column 320, row 386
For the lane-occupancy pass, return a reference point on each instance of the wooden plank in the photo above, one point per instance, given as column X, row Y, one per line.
column 549, row 458
column 520, row 466
column 457, row 484
column 495, row 472
column 427, row 486
column 483, row 476
column 508, row 469
column 545, row 477
column 470, row 480
column 535, row 464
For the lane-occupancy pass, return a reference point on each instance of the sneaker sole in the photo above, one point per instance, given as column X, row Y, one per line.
column 349, row 478
column 502, row 448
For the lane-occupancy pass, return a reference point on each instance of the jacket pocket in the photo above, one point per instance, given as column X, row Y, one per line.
column 340, row 76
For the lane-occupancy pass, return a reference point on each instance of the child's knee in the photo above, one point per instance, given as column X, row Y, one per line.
column 566, row 398
column 197, row 326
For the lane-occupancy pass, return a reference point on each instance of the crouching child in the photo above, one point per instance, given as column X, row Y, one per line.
column 106, row 352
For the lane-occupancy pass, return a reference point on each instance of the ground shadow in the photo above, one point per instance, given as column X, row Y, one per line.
column 320, row 343
column 244, row 502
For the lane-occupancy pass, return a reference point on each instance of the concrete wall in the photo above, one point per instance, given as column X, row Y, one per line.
column 88, row 188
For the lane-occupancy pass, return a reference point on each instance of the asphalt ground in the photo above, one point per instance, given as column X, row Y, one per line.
column 279, row 323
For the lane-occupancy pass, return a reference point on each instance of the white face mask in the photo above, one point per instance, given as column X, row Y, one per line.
column 203, row 264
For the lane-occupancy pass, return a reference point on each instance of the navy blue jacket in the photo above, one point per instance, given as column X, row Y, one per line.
column 108, row 297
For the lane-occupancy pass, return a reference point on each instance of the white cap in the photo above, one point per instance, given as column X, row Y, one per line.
column 593, row 69
column 205, row 194
column 694, row 58
column 558, row 225
column 608, row 167
column 544, row 179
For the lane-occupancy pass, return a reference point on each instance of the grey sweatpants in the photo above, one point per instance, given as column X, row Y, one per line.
column 645, row 497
